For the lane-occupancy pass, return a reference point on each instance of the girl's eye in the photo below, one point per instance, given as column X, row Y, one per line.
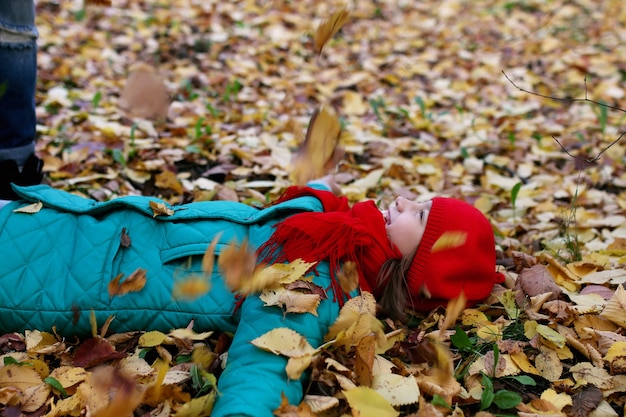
column 422, row 215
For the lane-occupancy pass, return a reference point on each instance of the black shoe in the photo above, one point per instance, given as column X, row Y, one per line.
column 9, row 173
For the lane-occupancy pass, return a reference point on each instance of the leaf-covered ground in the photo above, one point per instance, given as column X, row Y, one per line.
column 436, row 98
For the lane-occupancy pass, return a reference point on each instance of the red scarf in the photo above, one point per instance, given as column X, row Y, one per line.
column 337, row 235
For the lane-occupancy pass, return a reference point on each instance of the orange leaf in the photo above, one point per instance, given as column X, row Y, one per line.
column 134, row 283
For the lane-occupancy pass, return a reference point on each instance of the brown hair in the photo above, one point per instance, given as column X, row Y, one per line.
column 395, row 294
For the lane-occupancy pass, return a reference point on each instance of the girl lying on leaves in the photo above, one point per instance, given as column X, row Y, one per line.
column 59, row 259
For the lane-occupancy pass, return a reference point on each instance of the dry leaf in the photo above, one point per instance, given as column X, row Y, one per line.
column 190, row 287
column 328, row 28
column 237, row 265
column 453, row 310
column 548, row 364
column 348, row 277
column 291, row 301
column 615, row 308
column 585, row 401
column 144, row 94
column 95, row 351
column 319, row 151
column 160, row 209
column 134, row 283
column 284, row 341
column 30, row 209
column 397, row 389
column 534, row 281
column 368, row 403
column 449, row 240
column 364, row 360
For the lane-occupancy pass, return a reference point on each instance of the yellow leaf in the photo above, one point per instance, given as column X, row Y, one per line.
column 449, row 240
column 551, row 335
column 328, row 28
column 35, row 397
column 20, row 377
column 134, row 283
column 559, row 400
column 68, row 376
column 295, row 366
column 522, row 361
column 453, row 310
column 548, row 364
column 160, row 209
column 191, row 287
column 284, row 341
column 30, row 209
column 488, row 332
column 197, row 407
column 144, row 94
column 617, row 349
column 189, row 334
column 473, row 317
column 167, row 179
column 615, row 308
column 208, row 259
column 152, row 339
column 398, row 390
column 291, row 301
column 368, row 403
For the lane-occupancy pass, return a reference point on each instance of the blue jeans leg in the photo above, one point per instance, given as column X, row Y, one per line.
column 18, row 77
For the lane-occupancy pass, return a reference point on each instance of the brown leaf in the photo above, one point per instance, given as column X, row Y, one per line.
column 110, row 392
column 320, row 148
column 145, row 94
column 237, row 264
column 95, row 351
column 125, row 239
column 534, row 281
column 160, row 209
column 328, row 28
column 134, row 283
column 585, row 401
column 364, row 360
column 348, row 277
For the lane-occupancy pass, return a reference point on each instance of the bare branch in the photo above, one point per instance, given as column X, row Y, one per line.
column 572, row 100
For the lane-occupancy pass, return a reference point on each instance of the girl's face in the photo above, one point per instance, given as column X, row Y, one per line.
column 405, row 223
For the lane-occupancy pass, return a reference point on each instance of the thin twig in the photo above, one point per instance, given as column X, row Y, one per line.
column 572, row 100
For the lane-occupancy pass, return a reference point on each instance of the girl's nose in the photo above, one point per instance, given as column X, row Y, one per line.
column 400, row 203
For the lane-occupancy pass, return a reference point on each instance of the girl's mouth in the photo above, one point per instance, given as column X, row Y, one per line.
column 386, row 217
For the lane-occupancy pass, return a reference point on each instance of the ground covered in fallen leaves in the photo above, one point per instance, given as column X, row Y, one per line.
column 495, row 102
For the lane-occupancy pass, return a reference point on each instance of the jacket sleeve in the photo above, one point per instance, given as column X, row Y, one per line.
column 253, row 380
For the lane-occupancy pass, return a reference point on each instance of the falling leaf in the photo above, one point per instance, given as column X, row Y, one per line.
column 316, row 155
column 348, row 277
column 144, row 94
column 237, row 264
column 284, row 341
column 453, row 310
column 190, row 287
column 328, row 28
column 30, row 209
column 208, row 259
column 134, row 283
column 449, row 239
column 160, row 209
column 368, row 403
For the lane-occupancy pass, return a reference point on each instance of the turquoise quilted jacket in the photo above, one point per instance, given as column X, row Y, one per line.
column 55, row 266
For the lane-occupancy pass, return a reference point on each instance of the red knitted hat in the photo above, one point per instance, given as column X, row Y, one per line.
column 457, row 253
